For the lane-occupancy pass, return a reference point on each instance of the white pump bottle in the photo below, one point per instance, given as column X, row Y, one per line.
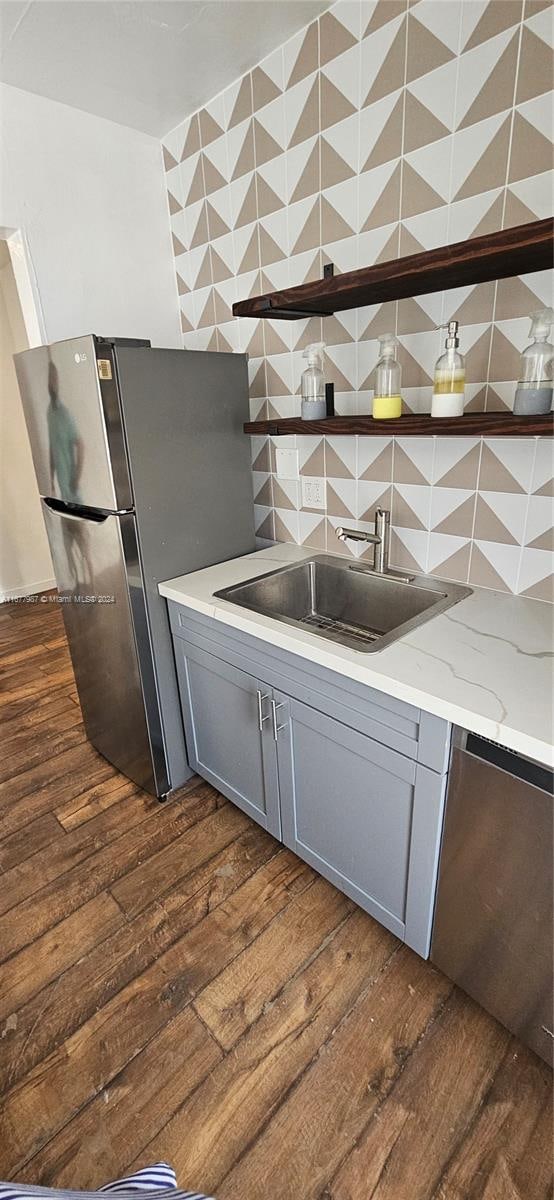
column 314, row 406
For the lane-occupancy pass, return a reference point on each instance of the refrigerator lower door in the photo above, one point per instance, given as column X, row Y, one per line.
column 99, row 580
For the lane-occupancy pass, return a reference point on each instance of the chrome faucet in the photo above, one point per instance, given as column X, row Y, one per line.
column 380, row 539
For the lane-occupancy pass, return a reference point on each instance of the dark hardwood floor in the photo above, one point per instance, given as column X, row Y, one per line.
column 176, row 985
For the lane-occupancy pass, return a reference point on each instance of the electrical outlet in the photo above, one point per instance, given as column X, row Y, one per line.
column 286, row 464
column 313, row 492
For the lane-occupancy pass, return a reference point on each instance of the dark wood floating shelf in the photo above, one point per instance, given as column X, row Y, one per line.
column 471, row 424
column 516, row 251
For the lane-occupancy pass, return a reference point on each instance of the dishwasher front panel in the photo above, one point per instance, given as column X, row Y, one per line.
column 493, row 919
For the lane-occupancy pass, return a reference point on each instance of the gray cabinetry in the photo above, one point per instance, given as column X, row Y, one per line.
column 227, row 724
column 332, row 767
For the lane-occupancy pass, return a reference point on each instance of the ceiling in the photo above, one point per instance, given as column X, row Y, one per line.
column 141, row 63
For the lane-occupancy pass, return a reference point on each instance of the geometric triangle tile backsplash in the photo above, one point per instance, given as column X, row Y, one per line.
column 377, row 130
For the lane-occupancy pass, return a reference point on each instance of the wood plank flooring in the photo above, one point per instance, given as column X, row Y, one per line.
column 177, row 985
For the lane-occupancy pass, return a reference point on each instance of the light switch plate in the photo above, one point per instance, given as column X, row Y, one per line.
column 286, row 464
column 313, row 492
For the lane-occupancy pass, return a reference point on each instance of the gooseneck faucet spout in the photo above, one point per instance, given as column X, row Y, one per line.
column 380, row 539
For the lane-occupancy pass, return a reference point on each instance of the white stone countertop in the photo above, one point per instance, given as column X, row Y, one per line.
column 487, row 664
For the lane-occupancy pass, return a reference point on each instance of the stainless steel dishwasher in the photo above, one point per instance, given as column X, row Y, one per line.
column 492, row 932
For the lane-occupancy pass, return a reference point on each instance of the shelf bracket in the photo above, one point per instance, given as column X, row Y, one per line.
column 328, row 270
column 289, row 314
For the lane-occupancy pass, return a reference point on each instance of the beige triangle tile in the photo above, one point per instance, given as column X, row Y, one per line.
column 220, row 270
column 262, row 461
column 495, row 402
column 421, row 127
column 389, row 142
column 258, row 387
column 516, row 212
column 204, row 277
column 264, row 89
column 265, row 145
column 308, row 124
column 506, row 465
column 475, row 309
column 335, row 333
column 251, row 257
column 307, row 59
column 425, row 51
column 412, row 318
column 498, row 90
column 266, row 530
column 483, row 574
column 477, row 359
column 312, row 332
column 178, row 247
column 408, row 243
column 334, row 169
column 387, row 208
column 515, row 299
column 208, row 316
column 530, row 150
column 405, row 470
column 417, row 195
column 535, row 67
column 403, row 550
column 492, row 220
column 383, row 12
column 168, row 160
column 281, row 499
column 497, row 16
column 334, row 373
column 543, row 541
column 314, row 534
column 334, row 38
column 209, row 128
column 543, row 590
column 182, row 287
column 310, row 235
column 336, row 505
column 268, row 201
column 333, row 226
column 242, row 108
column 459, row 521
column 335, row 468
column 245, row 160
column 390, row 76
column 186, row 326
column 215, row 223
column 249, row 208
column 275, row 384
column 273, row 343
column 315, row 463
column 223, row 310
column 196, row 189
column 192, row 140
column 476, row 402
column 309, row 181
column 414, row 374
column 213, row 179
column 455, row 566
column 201, row 234
column 380, row 469
column 489, row 527
column 382, row 321
column 173, row 204
column 461, row 473
column 404, row 514
column 335, row 106
column 490, row 170
column 270, row 252
column 286, row 532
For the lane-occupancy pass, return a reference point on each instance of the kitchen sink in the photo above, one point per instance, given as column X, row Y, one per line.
column 345, row 602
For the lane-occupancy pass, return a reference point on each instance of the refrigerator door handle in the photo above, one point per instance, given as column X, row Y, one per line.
column 77, row 513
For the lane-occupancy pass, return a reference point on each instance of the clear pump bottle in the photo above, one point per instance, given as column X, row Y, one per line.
column 450, row 378
column 534, row 390
column 387, row 399
column 314, row 406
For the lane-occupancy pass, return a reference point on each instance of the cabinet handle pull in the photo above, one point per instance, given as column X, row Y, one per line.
column 276, row 728
column 261, row 717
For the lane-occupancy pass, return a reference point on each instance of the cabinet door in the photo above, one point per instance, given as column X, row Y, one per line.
column 346, row 808
column 229, row 732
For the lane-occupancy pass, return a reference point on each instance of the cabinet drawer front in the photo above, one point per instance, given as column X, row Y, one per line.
column 347, row 806
column 225, row 745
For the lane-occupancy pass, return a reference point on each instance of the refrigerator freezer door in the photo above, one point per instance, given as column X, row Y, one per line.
column 96, row 564
column 71, row 407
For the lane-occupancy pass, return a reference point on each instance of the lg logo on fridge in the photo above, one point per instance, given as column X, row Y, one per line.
column 79, row 358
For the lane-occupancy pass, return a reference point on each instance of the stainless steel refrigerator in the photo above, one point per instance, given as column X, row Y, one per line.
column 144, row 473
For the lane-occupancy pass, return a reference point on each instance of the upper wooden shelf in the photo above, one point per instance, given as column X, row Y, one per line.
column 493, row 424
column 516, row 251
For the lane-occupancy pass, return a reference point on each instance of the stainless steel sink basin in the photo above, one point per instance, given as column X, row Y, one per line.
column 345, row 603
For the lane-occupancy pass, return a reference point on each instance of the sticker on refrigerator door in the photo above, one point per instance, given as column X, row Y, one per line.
column 104, row 368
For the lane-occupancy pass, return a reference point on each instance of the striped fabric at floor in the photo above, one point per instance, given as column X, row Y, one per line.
column 159, row 1181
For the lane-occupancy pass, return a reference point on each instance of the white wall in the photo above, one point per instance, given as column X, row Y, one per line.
column 25, row 563
column 90, row 198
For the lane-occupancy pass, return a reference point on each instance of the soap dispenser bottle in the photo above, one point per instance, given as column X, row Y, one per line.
column 534, row 389
column 314, row 406
column 387, row 400
column 450, row 377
